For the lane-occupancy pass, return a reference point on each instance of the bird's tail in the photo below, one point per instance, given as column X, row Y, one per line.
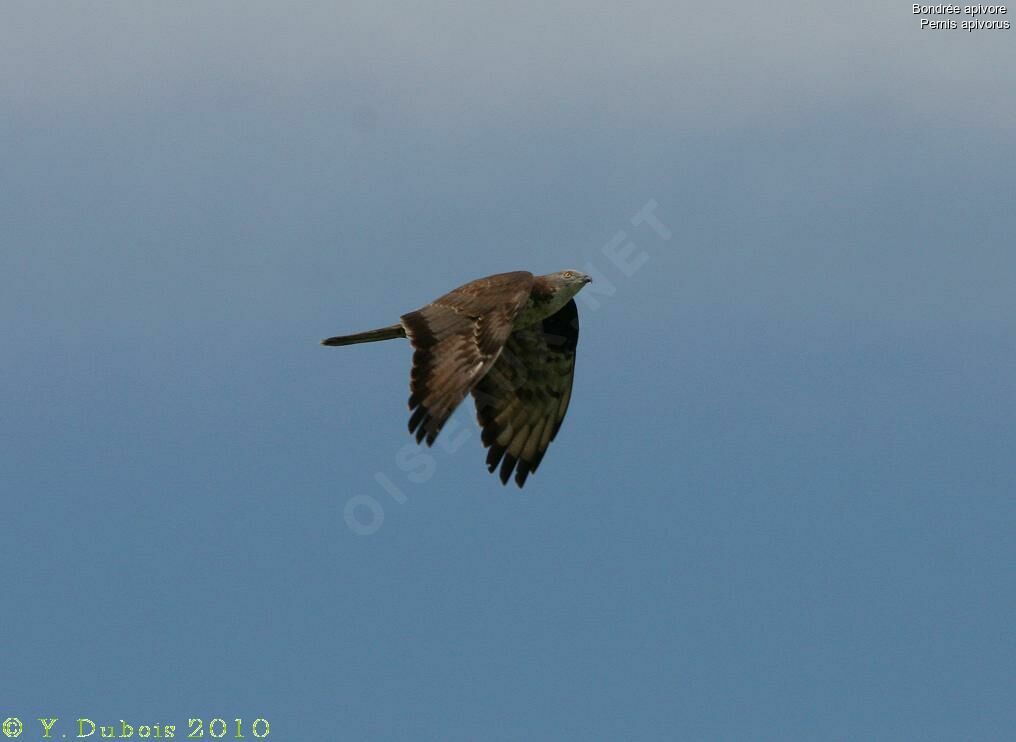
column 371, row 336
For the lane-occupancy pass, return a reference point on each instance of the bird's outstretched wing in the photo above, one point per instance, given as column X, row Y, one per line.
column 522, row 400
column 456, row 340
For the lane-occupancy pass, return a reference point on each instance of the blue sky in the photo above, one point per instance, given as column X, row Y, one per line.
column 781, row 506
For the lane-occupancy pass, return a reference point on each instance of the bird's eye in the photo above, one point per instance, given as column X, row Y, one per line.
column 568, row 274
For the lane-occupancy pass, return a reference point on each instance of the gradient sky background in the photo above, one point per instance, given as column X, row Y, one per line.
column 782, row 504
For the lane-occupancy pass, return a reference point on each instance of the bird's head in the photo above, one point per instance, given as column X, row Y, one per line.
column 570, row 281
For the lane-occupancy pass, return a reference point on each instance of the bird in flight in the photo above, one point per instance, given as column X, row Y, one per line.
column 509, row 339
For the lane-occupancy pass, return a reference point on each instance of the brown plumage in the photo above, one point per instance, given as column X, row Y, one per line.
column 509, row 339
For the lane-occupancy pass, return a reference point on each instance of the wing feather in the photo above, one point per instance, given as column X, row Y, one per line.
column 456, row 339
column 522, row 400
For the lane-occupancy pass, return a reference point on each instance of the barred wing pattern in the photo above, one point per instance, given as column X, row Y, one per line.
column 522, row 400
column 457, row 339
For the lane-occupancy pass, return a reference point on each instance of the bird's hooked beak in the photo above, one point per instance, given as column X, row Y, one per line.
column 587, row 279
